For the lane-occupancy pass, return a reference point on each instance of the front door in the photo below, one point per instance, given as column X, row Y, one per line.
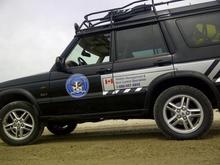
column 78, row 90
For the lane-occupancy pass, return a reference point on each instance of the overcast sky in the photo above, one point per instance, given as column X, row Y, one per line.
column 34, row 32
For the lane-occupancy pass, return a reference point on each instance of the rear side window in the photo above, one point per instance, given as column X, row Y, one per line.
column 140, row 42
column 201, row 30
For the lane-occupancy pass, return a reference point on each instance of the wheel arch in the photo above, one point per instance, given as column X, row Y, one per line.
column 11, row 95
column 190, row 78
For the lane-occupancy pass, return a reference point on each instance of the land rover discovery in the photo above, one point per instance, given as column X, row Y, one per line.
column 135, row 62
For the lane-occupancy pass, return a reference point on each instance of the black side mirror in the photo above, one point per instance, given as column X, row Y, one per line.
column 59, row 63
column 77, row 28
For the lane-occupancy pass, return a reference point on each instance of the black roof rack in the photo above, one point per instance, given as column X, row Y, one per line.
column 118, row 14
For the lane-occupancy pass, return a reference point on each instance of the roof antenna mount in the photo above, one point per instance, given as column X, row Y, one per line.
column 190, row 3
column 154, row 8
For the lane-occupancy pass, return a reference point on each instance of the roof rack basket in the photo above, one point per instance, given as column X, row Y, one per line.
column 117, row 14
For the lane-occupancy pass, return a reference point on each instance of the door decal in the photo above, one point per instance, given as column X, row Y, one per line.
column 133, row 81
column 107, row 82
column 77, row 85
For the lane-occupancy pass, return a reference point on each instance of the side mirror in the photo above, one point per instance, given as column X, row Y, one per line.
column 77, row 28
column 59, row 63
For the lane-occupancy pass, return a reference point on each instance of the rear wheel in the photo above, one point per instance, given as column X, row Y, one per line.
column 183, row 112
column 61, row 128
column 19, row 124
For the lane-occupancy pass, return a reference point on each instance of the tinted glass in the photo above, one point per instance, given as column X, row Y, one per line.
column 140, row 42
column 92, row 50
column 202, row 30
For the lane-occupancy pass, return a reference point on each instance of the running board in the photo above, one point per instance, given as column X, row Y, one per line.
column 129, row 114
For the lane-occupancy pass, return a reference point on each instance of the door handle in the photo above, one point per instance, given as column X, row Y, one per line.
column 160, row 63
column 104, row 70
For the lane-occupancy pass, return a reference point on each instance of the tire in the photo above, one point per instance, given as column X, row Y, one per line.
column 61, row 128
column 20, row 124
column 183, row 112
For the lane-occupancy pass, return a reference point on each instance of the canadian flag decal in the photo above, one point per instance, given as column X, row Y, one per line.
column 108, row 81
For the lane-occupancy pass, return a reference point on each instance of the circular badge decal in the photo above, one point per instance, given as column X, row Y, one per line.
column 77, row 85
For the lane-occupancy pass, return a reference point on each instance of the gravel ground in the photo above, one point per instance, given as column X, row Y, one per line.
column 133, row 142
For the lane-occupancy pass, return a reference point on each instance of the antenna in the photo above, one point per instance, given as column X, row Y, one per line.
column 189, row 2
column 154, row 8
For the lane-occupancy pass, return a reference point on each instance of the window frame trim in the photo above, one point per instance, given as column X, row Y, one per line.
column 141, row 58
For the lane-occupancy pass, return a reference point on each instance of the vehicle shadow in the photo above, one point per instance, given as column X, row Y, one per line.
column 111, row 134
column 108, row 135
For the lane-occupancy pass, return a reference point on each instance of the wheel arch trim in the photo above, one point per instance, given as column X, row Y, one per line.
column 172, row 76
column 23, row 93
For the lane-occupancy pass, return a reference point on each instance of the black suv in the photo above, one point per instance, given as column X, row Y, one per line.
column 133, row 63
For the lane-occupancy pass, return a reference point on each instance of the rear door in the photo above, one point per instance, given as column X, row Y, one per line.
column 141, row 56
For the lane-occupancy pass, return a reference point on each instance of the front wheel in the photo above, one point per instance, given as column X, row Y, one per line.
column 183, row 112
column 61, row 128
column 19, row 124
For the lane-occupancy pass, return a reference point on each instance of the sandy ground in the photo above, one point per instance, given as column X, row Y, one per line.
column 133, row 142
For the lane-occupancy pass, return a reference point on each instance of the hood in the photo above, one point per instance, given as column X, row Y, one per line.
column 25, row 80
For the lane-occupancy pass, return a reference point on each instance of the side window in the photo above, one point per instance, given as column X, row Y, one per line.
column 140, row 42
column 202, row 30
column 90, row 50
